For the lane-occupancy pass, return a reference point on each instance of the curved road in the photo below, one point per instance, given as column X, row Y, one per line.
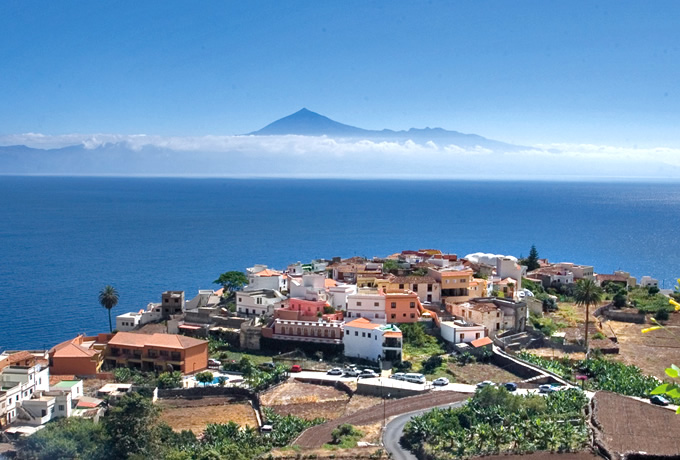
column 395, row 428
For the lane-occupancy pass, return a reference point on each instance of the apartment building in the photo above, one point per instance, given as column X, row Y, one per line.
column 150, row 352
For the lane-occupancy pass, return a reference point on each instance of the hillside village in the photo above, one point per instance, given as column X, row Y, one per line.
column 420, row 326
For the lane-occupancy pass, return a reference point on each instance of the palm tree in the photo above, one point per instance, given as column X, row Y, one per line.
column 587, row 294
column 108, row 298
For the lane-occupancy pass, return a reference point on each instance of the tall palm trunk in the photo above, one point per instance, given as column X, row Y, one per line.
column 587, row 316
column 110, row 326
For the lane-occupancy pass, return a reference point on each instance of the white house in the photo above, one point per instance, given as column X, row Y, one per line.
column 261, row 277
column 367, row 340
column 21, row 383
column 459, row 331
column 308, row 287
column 257, row 303
column 507, row 267
column 132, row 320
column 367, row 303
column 338, row 294
column 648, row 281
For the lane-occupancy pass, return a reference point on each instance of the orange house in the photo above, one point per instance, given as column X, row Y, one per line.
column 402, row 307
column 162, row 352
column 80, row 356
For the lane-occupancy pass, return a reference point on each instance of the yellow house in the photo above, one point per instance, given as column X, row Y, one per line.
column 455, row 283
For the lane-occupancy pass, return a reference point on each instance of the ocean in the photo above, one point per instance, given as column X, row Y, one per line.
column 63, row 238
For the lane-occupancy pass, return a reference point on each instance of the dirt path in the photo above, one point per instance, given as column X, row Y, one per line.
column 319, row 435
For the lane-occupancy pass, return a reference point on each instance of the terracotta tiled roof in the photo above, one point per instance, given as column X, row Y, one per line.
column 392, row 334
column 362, row 323
column 330, row 282
column 19, row 356
column 131, row 339
column 481, row 342
column 268, row 272
column 69, row 349
column 54, row 379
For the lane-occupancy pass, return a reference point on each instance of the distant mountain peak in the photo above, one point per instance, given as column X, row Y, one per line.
column 305, row 122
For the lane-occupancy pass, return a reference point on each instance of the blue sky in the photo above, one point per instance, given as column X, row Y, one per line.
column 529, row 72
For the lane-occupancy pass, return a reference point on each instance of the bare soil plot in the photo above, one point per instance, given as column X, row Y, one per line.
column 196, row 414
column 360, row 402
column 652, row 352
column 306, row 400
column 624, row 424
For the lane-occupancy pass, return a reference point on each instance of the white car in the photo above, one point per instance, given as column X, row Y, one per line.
column 398, row 376
column 549, row 387
column 335, row 371
column 486, row 383
column 441, row 381
column 367, row 374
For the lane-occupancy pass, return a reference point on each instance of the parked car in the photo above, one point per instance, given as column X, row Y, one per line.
column 415, row 378
column 367, row 374
column 398, row 376
column 549, row 387
column 268, row 366
column 659, row 400
column 510, row 386
column 486, row 383
column 351, row 373
column 335, row 371
column 296, row 368
column 441, row 381
column 214, row 363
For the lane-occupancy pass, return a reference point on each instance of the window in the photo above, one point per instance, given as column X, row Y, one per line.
column 376, row 304
column 369, row 335
column 498, row 325
column 393, row 304
column 44, row 412
column 358, row 304
column 415, row 288
column 61, row 407
column 359, row 315
column 413, row 305
column 176, row 300
column 363, row 334
column 240, row 299
column 401, row 286
column 429, row 287
column 462, row 336
column 376, row 315
column 498, row 314
column 477, row 335
column 346, row 332
column 413, row 315
column 393, row 316
column 167, row 300
column 356, row 333
column 404, row 315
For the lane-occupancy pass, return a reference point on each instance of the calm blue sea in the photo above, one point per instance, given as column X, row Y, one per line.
column 63, row 239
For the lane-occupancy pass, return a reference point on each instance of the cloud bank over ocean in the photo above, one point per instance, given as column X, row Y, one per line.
column 352, row 157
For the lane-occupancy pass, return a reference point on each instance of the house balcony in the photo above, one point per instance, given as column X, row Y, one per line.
column 391, row 343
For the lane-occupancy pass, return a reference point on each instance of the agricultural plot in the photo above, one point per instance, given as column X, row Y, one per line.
column 625, row 425
column 652, row 352
column 196, row 414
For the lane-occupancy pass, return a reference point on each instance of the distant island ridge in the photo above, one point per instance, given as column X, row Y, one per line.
column 307, row 144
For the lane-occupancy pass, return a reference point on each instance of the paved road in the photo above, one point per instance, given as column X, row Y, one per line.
column 395, row 429
column 318, row 435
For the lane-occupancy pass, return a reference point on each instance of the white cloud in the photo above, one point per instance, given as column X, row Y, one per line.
column 410, row 158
